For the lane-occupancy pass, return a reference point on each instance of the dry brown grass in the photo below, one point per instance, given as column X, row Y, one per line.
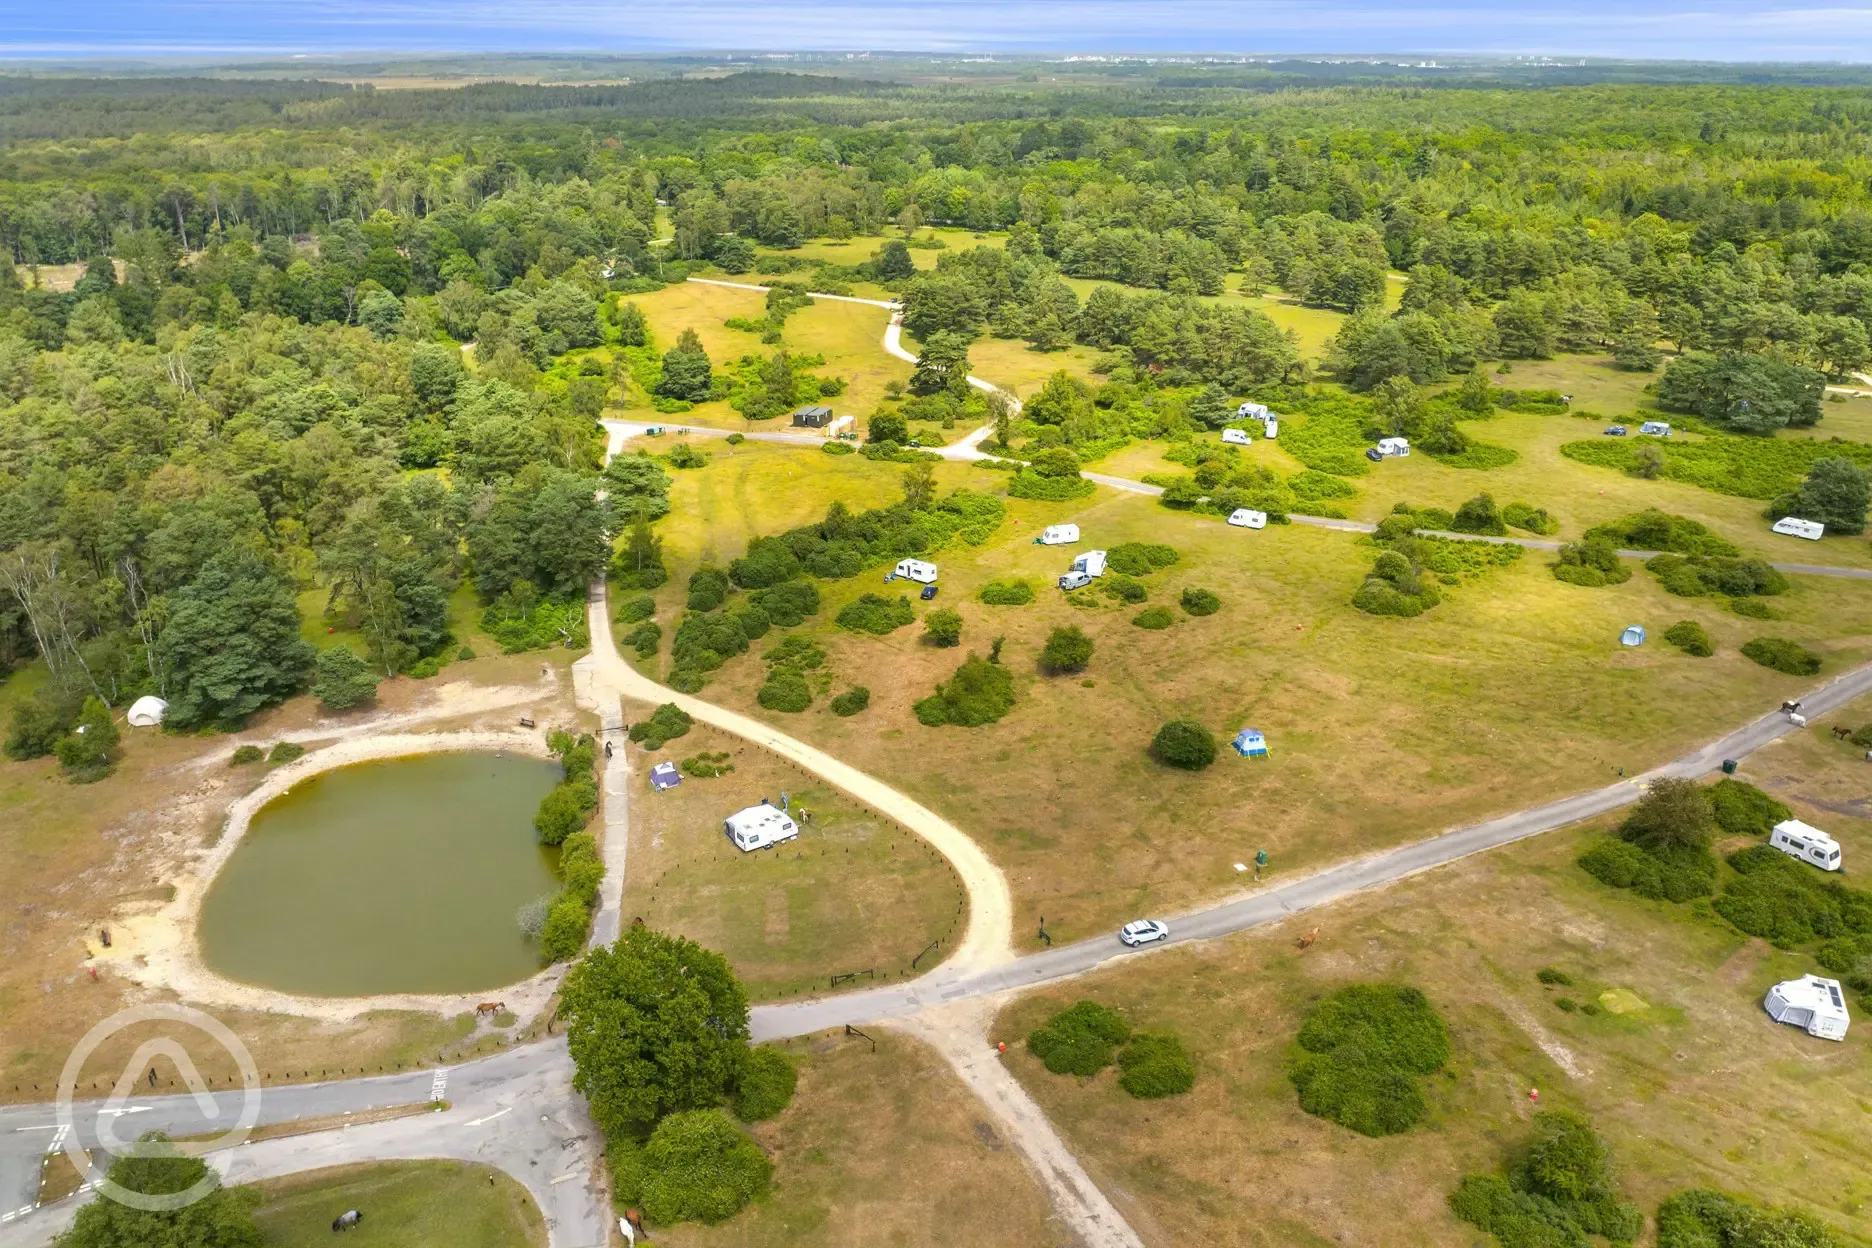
column 884, row 1148
column 1699, row 1089
column 853, row 892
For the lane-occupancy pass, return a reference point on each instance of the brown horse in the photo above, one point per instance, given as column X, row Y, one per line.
column 1306, row 941
column 1841, row 732
column 490, row 1007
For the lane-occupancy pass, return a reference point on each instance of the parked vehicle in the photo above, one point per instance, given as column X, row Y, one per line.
column 1615, row 431
column 1271, row 428
column 759, row 827
column 1246, row 518
column 918, row 570
column 1237, row 437
column 1807, row 843
column 1374, row 454
column 1075, row 580
column 1656, row 428
column 1794, row 526
column 1399, row 447
column 1058, row 535
column 1092, row 563
column 1143, row 932
column 929, row 592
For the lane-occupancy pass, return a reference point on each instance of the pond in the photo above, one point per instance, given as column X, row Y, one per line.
column 395, row 876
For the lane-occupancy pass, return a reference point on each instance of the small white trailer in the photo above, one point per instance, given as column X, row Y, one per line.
column 1092, row 563
column 1656, row 428
column 1812, row 1003
column 1394, row 447
column 916, row 570
column 759, row 827
column 1238, row 437
column 1794, row 526
column 1058, row 535
column 1807, row 843
column 1244, row 518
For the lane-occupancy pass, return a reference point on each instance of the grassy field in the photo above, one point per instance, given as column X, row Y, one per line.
column 1382, row 729
column 1698, row 1087
column 86, row 854
column 410, row 1204
column 883, row 1149
column 852, row 893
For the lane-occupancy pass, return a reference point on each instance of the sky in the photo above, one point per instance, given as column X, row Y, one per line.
column 1731, row 30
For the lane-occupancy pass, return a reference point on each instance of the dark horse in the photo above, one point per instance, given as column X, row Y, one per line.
column 347, row 1220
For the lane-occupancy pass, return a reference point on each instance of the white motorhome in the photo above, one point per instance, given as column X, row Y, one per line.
column 1060, row 535
column 1243, row 518
column 1252, row 411
column 1794, row 526
column 1237, row 437
column 759, row 827
column 1272, row 427
column 916, row 570
column 1394, row 447
column 1807, row 843
column 1812, row 1003
column 1656, row 428
column 1092, row 563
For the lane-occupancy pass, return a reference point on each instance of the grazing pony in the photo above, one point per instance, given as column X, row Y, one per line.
column 347, row 1221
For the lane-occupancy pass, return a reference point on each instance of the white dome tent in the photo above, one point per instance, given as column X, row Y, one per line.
column 147, row 711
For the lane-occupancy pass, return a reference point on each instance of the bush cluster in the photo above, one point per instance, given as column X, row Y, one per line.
column 1751, row 608
column 285, row 752
column 846, row 543
column 1479, row 515
column 943, row 628
column 535, row 626
column 1593, row 562
column 765, row 1086
column 568, row 914
column 1140, row 558
column 697, row 1166
column 1690, row 637
column 1741, row 809
column 851, row 701
column 1699, row 1218
column 875, row 614
column 707, row 766
column 1361, row 1054
column 1154, row 1064
column 1532, row 519
column 571, row 803
column 1691, row 576
column 1007, row 593
column 708, row 589
column 1184, row 743
column 636, row 608
column 1200, row 601
column 1763, row 468
column 1671, row 875
column 1559, row 1192
column 645, row 639
column 1395, row 586
column 704, row 642
column 1661, row 531
column 1782, row 655
column 788, row 604
column 1080, row 1040
column 1123, row 588
column 980, row 692
column 665, row 724
column 1154, row 618
column 1788, row 903
column 785, row 690
column 1067, row 650
column 246, row 754
column 1027, row 483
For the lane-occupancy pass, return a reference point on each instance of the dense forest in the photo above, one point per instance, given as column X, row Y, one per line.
column 258, row 382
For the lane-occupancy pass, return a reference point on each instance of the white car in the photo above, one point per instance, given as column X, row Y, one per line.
column 1143, row 932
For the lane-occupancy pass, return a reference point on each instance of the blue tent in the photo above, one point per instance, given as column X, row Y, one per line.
column 1249, row 743
column 1633, row 636
column 664, row 776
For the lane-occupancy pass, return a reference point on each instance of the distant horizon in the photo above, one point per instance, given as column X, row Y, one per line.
column 213, row 31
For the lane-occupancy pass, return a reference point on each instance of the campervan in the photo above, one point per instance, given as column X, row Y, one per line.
column 1394, row 446
column 916, row 570
column 1807, row 843
column 1074, row 580
column 759, row 827
column 1237, row 437
column 1656, row 428
column 1252, row 411
column 1794, row 526
column 1058, row 535
column 1092, row 563
column 1243, row 518
column 1272, row 427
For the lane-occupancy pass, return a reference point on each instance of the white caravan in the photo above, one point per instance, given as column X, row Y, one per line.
column 1243, row 518
column 916, row 570
column 1394, row 447
column 1060, row 535
column 1807, row 843
column 1794, row 526
column 1092, row 563
column 759, row 827
column 1252, row 411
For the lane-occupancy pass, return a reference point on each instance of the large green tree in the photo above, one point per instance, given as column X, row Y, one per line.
column 1835, row 493
column 232, row 642
column 221, row 1219
column 687, row 373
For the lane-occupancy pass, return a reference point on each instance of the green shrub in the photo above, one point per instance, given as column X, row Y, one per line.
column 465, row 655
column 665, row 724
column 735, row 439
column 979, row 693
column 1862, row 737
column 342, row 680
column 1184, row 743
column 1704, row 1219
column 1783, row 655
column 1593, row 562
column 567, row 924
column 1532, row 519
column 1067, row 650
column 1476, row 455
column 285, row 752
column 1559, row 1192
column 1763, row 468
column 246, row 754
column 1554, row 975
column 1154, row 1064
column 565, row 809
column 1751, row 608
column 1677, row 875
column 851, row 701
column 802, row 654
column 765, row 1086
column 708, row 589
column 785, row 690
column 787, row 605
column 1123, row 588
column 1140, row 558
column 544, row 624
column 1200, row 602
column 424, row 668
column 687, row 680
column 1362, row 1051
column 1567, row 1004
column 707, row 766
column 1080, row 1039
column 1154, row 618
column 943, row 628
column 875, row 614
column 1027, row 483
column 697, row 1166
column 635, row 608
column 1788, row 903
column 644, row 639
column 1690, row 637
column 1007, row 593
column 836, row 448
column 1479, row 515
column 1689, row 576
column 1741, row 809
column 1654, row 530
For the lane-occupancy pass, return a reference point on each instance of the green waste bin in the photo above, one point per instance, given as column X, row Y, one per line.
column 1729, row 766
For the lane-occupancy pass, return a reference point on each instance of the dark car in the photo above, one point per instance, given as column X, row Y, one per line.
column 1616, row 431
column 1374, row 454
column 929, row 592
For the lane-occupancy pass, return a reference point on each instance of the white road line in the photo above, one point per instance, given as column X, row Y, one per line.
column 58, row 1139
column 563, row 1178
column 50, row 1126
column 476, row 1122
column 439, row 1084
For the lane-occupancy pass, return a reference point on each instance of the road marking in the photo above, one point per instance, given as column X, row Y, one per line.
column 50, row 1126
column 128, row 1109
column 58, row 1139
column 490, row 1118
column 439, row 1084
column 563, row 1178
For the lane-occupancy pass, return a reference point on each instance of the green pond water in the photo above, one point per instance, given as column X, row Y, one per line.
column 395, row 876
